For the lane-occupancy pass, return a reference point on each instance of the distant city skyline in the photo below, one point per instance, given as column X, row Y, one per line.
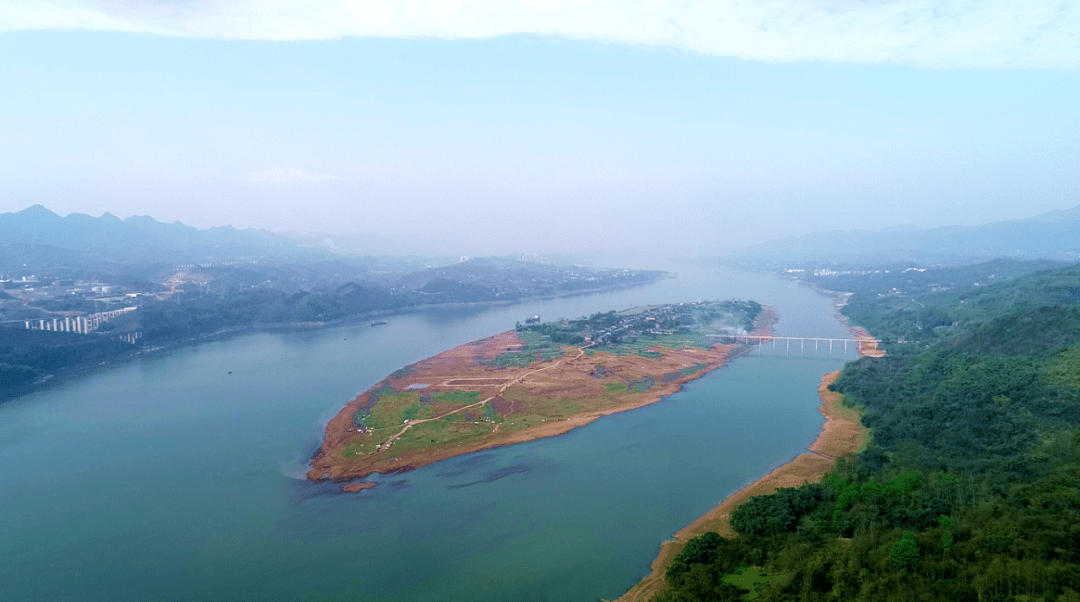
column 680, row 126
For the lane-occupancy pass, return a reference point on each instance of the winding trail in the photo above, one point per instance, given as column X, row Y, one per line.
column 412, row 423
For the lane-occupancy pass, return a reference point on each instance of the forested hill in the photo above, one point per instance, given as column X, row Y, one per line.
column 1054, row 235
column 970, row 489
column 211, row 300
column 936, row 305
column 78, row 239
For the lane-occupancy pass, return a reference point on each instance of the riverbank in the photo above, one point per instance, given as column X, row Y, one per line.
column 58, row 376
column 841, row 434
column 868, row 346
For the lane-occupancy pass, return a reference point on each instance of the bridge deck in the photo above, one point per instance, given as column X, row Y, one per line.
column 765, row 337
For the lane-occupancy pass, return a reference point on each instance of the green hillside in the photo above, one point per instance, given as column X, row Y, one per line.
column 970, row 489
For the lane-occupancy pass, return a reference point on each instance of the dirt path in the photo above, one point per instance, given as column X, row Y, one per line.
column 413, row 423
column 503, row 388
column 581, row 352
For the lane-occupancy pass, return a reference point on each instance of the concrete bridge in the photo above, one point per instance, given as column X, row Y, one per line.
column 79, row 324
column 804, row 345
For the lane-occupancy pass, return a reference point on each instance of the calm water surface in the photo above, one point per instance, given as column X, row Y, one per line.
column 170, row 478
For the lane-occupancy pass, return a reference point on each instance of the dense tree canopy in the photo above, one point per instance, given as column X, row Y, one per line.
column 970, row 489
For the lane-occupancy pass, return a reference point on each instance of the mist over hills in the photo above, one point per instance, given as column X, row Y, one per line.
column 80, row 290
column 38, row 233
column 1054, row 235
column 37, row 239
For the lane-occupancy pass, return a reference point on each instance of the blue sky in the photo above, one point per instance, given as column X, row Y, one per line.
column 497, row 136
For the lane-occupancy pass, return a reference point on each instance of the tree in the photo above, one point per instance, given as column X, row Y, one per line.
column 699, row 550
column 905, row 551
column 947, row 537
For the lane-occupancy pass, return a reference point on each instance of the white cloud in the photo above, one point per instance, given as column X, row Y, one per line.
column 935, row 33
column 290, row 176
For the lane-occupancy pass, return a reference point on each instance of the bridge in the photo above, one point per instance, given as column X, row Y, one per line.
column 864, row 345
column 79, row 324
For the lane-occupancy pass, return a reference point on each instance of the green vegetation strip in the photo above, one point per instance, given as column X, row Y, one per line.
column 970, row 489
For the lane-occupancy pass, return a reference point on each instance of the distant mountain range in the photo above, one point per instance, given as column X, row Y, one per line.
column 38, row 233
column 1054, row 235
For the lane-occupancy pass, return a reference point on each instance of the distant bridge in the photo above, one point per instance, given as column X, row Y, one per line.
column 864, row 345
column 79, row 324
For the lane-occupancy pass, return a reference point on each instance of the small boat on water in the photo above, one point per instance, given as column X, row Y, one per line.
column 378, row 322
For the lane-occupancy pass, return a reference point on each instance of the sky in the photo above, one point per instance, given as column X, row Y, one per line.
column 498, row 127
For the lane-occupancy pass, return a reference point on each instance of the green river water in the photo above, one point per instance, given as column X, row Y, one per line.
column 177, row 476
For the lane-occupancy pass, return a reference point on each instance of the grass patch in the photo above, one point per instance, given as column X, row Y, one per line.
column 616, row 387
column 361, row 418
column 455, row 417
column 354, row 449
column 520, row 422
column 411, row 412
column 437, row 434
column 641, row 385
column 394, row 409
column 752, row 578
column 538, row 347
column 458, row 397
column 687, row 371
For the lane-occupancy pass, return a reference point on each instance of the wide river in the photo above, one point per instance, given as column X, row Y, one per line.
column 177, row 476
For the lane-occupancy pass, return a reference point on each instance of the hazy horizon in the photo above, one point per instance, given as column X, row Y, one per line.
column 647, row 256
column 671, row 127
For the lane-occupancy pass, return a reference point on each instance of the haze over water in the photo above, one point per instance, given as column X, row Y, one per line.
column 170, row 478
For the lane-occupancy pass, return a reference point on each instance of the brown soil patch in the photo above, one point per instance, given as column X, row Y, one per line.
column 868, row 345
column 841, row 434
column 503, row 405
column 357, row 486
column 464, row 382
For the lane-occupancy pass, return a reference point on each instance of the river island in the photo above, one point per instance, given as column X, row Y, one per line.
column 538, row 380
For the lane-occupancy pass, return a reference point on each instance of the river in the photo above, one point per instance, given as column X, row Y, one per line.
column 177, row 476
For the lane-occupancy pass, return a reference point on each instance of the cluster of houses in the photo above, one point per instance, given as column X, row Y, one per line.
column 656, row 319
